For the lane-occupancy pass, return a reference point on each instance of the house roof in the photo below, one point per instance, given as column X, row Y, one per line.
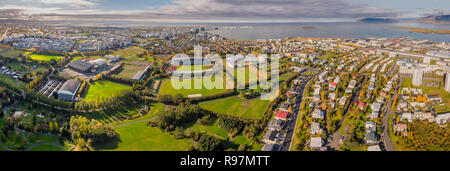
column 138, row 75
column 70, row 86
column 80, row 65
column 333, row 84
column 281, row 114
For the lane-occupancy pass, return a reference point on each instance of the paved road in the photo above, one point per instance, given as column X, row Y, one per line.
column 293, row 123
column 387, row 113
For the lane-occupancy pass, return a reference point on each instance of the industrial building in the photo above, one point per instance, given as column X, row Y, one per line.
column 68, row 90
column 80, row 66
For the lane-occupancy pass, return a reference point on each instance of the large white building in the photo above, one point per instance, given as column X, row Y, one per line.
column 447, row 82
column 417, row 77
column 68, row 90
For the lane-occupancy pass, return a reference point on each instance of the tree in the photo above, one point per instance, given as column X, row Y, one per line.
column 165, row 98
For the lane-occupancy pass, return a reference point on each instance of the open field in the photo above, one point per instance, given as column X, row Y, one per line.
column 253, row 109
column 129, row 52
column 139, row 137
column 45, row 57
column 250, row 146
column 128, row 71
column 11, row 53
column 103, row 89
column 22, row 67
column 167, row 88
column 135, row 135
column 37, row 139
column 212, row 129
column 12, row 81
column 45, row 147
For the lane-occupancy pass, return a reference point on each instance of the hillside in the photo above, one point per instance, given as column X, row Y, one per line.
column 439, row 19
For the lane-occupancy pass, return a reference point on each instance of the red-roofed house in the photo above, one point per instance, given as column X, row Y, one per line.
column 361, row 105
column 281, row 115
column 332, row 86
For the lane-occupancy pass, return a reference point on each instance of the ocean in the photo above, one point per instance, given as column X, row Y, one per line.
column 340, row 30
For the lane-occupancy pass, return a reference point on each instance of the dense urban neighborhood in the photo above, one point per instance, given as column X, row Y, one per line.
column 76, row 88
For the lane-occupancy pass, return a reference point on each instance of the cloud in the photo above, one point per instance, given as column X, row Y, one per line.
column 72, row 3
column 200, row 10
column 287, row 9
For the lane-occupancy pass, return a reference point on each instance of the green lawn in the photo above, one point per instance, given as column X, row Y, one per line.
column 37, row 139
column 11, row 53
column 104, row 89
column 139, row 137
column 45, row 57
column 128, row 71
column 11, row 81
column 167, row 88
column 253, row 109
column 24, row 67
column 250, row 146
column 135, row 135
column 45, row 147
column 128, row 53
column 212, row 129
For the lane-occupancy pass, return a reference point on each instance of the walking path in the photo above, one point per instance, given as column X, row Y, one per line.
column 22, row 133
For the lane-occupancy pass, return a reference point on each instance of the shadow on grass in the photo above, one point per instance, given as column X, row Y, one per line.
column 111, row 145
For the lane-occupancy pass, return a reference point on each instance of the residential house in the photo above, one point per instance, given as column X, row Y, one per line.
column 374, row 148
column 315, row 128
column 281, row 114
column 318, row 114
column 316, row 143
column 276, row 124
column 442, row 118
column 370, row 138
column 371, row 126
column 406, row 116
column 271, row 137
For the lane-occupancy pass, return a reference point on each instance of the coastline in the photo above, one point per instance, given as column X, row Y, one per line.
column 420, row 30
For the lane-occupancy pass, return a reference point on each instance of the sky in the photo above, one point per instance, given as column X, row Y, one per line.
column 218, row 10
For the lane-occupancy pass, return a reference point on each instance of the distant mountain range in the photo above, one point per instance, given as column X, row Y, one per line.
column 437, row 19
column 379, row 20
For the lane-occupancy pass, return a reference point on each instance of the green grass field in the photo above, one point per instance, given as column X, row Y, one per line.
column 212, row 129
column 104, row 89
column 167, row 88
column 128, row 71
column 253, row 109
column 250, row 146
column 23, row 67
column 37, row 139
column 45, row 57
column 139, row 137
column 45, row 147
column 11, row 81
column 135, row 135
column 11, row 53
column 128, row 53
